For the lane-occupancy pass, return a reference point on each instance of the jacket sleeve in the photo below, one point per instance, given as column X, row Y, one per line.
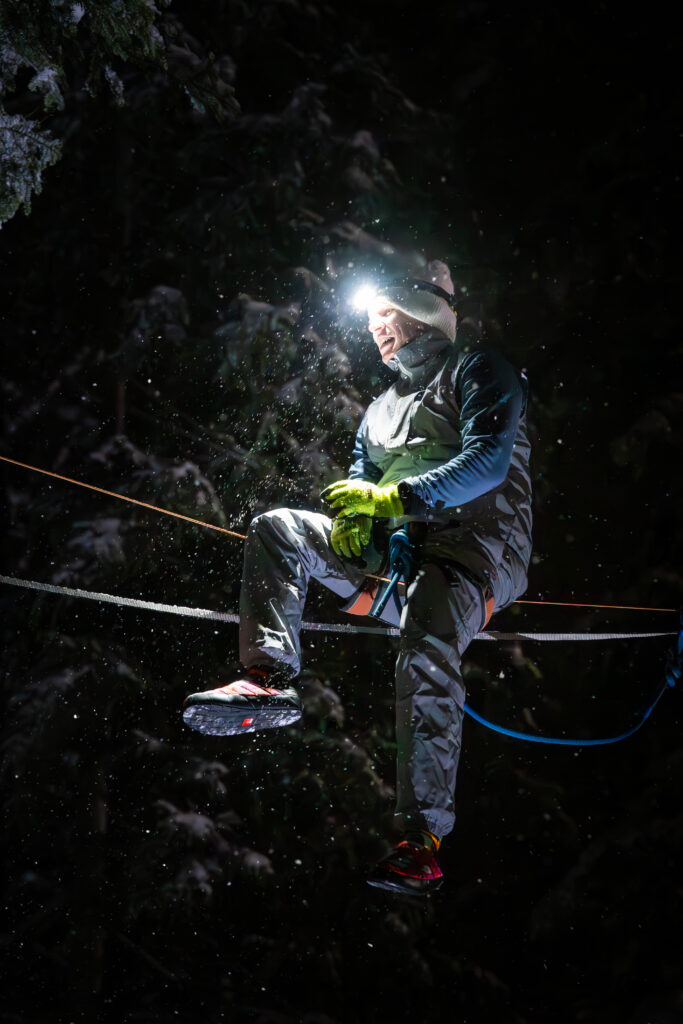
column 491, row 399
column 362, row 467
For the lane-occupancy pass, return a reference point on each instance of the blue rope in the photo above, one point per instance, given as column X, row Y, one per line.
column 375, row 613
column 401, row 558
column 558, row 740
column 672, row 675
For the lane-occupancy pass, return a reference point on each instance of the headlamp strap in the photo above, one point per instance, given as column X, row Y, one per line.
column 423, row 286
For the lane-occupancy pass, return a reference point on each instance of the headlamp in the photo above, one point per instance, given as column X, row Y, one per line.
column 364, row 296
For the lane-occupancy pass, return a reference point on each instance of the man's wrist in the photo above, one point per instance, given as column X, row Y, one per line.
column 407, row 496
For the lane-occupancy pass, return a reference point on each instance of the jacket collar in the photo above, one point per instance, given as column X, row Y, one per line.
column 411, row 360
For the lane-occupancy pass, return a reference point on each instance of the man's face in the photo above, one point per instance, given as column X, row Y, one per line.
column 391, row 329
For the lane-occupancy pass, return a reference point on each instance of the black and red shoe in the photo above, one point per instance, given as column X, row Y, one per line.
column 256, row 700
column 411, row 868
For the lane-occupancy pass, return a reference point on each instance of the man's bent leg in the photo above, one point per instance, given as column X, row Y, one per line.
column 283, row 549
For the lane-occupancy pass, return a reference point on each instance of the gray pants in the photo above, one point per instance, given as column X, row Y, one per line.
column 444, row 608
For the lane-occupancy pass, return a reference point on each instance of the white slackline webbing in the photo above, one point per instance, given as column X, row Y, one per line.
column 324, row 627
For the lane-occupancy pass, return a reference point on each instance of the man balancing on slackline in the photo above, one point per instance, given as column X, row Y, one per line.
column 445, row 451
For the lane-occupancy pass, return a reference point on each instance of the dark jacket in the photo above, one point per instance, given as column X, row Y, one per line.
column 452, row 432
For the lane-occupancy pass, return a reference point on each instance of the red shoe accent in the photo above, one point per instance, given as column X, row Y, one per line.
column 421, row 863
column 410, row 869
column 246, row 689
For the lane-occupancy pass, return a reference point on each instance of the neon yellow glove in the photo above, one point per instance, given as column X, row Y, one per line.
column 349, row 536
column 358, row 497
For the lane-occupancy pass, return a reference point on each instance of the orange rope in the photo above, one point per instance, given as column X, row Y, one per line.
column 241, row 536
column 124, row 497
column 620, row 607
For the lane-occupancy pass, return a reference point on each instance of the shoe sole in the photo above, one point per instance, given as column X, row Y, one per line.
column 400, row 890
column 227, row 720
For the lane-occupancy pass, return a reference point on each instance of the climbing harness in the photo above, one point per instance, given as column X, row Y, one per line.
column 401, row 560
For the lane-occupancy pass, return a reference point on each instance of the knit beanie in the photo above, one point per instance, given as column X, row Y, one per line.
column 419, row 297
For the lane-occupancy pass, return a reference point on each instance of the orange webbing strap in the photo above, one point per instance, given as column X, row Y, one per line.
column 363, row 602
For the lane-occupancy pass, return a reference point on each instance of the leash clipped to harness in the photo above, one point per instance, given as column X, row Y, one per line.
column 402, row 564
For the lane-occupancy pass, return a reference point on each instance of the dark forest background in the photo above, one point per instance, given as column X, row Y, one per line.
column 190, row 191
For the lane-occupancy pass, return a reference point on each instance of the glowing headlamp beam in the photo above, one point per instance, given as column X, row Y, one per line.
column 364, row 296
